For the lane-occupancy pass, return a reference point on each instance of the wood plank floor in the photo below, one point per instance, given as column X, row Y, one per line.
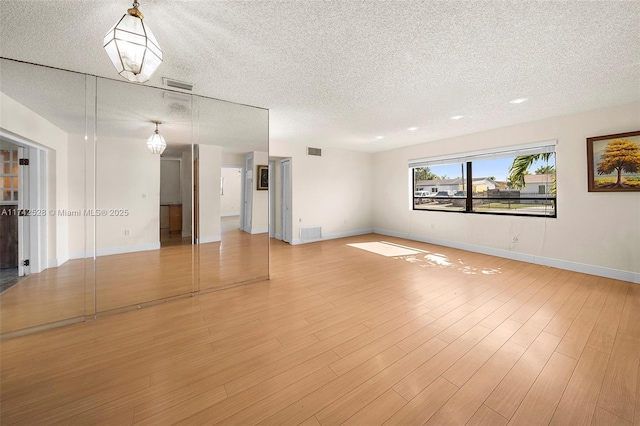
column 126, row 280
column 341, row 335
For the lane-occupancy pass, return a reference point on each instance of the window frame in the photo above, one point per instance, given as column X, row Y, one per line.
column 468, row 159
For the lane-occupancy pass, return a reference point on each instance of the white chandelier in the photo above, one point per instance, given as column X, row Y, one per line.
column 156, row 142
column 132, row 48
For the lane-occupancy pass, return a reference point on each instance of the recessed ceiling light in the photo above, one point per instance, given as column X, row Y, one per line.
column 413, row 129
column 518, row 101
column 457, row 117
column 379, row 137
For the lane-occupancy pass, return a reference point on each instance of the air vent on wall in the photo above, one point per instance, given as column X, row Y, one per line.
column 177, row 96
column 177, row 84
column 314, row 151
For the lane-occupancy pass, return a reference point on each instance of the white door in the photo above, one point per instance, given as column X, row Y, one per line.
column 285, row 170
column 247, row 194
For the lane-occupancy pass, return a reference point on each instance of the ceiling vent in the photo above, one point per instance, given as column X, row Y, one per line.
column 177, row 84
column 314, row 151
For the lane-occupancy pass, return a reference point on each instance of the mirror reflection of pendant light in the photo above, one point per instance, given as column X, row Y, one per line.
column 132, row 48
column 156, row 142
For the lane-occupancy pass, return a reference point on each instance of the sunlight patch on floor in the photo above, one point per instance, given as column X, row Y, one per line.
column 422, row 258
column 385, row 249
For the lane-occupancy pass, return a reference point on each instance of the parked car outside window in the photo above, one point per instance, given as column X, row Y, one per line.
column 444, row 197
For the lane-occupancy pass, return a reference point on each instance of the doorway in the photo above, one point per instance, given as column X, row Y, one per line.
column 285, row 200
column 247, row 199
column 175, row 196
column 230, row 198
column 22, row 201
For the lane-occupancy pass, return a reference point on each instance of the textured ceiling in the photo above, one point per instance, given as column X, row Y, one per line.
column 342, row 73
column 127, row 110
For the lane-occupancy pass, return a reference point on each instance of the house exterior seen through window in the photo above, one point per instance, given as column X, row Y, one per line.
column 511, row 182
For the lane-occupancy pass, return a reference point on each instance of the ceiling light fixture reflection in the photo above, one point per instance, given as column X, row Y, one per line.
column 413, row 129
column 156, row 142
column 457, row 117
column 132, row 47
column 518, row 100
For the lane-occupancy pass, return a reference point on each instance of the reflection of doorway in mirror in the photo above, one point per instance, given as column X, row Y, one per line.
column 171, row 208
column 23, row 198
column 230, row 198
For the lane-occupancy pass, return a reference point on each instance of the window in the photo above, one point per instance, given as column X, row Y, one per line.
column 9, row 182
column 518, row 181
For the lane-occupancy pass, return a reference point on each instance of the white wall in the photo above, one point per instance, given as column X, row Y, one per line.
column 230, row 200
column 170, row 189
column 77, row 189
column 596, row 233
column 334, row 191
column 209, row 169
column 19, row 120
column 233, row 159
column 127, row 178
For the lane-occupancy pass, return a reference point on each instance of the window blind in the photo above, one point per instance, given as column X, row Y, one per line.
column 514, row 151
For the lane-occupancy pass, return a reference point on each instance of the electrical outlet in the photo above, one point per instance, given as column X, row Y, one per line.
column 515, row 239
column 127, row 232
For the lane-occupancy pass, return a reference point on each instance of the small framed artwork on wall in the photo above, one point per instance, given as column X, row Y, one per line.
column 263, row 178
column 614, row 162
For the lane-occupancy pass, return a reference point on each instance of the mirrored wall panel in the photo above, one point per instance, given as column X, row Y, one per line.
column 47, row 122
column 132, row 195
column 132, row 267
column 232, row 213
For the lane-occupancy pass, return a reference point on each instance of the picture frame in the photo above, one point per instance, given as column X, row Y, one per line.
column 263, row 178
column 613, row 162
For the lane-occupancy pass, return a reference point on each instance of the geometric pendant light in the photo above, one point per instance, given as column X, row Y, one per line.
column 132, row 47
column 156, row 142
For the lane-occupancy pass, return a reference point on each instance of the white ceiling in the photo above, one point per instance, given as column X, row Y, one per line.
column 342, row 73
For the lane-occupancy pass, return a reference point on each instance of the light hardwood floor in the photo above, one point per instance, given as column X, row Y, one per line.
column 341, row 335
column 130, row 279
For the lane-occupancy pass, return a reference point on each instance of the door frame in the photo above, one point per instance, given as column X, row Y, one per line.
column 247, row 194
column 272, row 199
column 32, row 228
column 285, row 201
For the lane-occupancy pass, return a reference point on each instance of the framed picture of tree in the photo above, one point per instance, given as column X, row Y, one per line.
column 614, row 162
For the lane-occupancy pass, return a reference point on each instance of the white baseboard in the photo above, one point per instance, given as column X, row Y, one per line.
column 80, row 255
column 206, row 240
column 601, row 271
column 335, row 235
column 128, row 249
column 229, row 214
column 55, row 262
column 259, row 231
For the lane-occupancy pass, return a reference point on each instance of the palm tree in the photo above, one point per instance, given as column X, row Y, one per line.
column 424, row 173
column 520, row 167
column 545, row 170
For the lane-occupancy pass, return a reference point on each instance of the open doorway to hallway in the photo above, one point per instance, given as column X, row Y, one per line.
column 8, row 217
column 230, row 198
column 176, row 189
column 22, row 210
